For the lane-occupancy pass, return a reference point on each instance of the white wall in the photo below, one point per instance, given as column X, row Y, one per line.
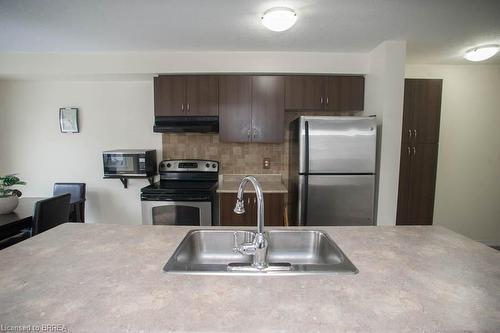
column 112, row 115
column 33, row 65
column 384, row 98
column 468, row 174
column 114, row 94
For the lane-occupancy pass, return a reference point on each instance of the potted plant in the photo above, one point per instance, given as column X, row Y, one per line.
column 9, row 197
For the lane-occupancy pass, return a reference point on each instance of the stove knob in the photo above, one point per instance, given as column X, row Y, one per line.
column 169, row 165
column 214, row 165
column 207, row 165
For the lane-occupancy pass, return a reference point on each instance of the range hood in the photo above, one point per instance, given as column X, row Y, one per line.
column 186, row 124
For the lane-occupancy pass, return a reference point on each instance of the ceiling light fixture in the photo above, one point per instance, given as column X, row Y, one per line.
column 481, row 53
column 279, row 18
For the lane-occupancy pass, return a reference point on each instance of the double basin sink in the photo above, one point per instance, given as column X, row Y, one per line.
column 290, row 252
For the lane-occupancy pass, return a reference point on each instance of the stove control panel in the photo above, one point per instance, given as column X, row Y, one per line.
column 189, row 166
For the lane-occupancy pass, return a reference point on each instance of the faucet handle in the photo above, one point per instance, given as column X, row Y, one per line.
column 245, row 247
column 236, row 242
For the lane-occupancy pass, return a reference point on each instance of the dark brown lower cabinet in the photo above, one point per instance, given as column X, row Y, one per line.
column 417, row 183
column 273, row 210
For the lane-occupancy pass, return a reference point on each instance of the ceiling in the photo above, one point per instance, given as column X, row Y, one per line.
column 437, row 31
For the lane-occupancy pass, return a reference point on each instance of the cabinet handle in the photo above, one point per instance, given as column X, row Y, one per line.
column 415, row 133
column 254, row 200
column 254, row 133
column 321, row 100
column 327, row 101
column 248, row 200
column 409, row 151
column 187, row 107
column 409, row 134
column 182, row 107
column 248, row 133
column 414, row 151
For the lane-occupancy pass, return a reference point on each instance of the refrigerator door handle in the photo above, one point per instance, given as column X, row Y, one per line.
column 306, row 128
column 306, row 195
column 302, row 200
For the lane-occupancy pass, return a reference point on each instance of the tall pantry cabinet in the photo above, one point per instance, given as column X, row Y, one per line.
column 419, row 149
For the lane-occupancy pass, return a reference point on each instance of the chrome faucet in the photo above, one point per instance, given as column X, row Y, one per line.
column 258, row 246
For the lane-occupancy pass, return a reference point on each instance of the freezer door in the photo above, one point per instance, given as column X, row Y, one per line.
column 337, row 144
column 336, row 200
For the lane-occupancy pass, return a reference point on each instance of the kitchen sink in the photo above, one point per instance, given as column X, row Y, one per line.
column 290, row 252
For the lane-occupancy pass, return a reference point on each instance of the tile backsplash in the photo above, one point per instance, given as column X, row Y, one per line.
column 234, row 158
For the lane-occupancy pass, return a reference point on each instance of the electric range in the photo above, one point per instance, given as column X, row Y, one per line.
column 185, row 194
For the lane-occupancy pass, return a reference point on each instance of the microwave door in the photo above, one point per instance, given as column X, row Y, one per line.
column 120, row 164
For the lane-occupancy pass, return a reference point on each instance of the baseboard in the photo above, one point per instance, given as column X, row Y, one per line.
column 491, row 243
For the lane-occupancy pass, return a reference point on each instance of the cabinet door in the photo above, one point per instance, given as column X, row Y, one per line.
column 235, row 108
column 202, row 95
column 344, row 93
column 422, row 184
column 404, row 185
column 332, row 93
column 273, row 209
column 169, row 95
column 268, row 109
column 352, row 93
column 407, row 135
column 304, row 92
column 426, row 110
column 229, row 218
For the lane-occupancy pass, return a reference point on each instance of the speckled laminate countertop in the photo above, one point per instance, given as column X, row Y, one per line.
column 109, row 278
column 271, row 183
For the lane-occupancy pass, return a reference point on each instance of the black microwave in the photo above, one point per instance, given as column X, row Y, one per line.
column 129, row 163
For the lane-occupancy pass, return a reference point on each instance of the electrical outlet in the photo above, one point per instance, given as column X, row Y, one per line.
column 266, row 163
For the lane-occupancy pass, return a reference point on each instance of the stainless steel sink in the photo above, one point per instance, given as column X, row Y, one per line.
column 290, row 252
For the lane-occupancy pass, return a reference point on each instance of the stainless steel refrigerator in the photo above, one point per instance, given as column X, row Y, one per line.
column 332, row 170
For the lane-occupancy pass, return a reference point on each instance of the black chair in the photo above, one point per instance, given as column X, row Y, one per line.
column 4, row 243
column 77, row 191
column 51, row 212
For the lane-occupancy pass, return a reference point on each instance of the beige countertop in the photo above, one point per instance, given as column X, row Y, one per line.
column 109, row 278
column 270, row 183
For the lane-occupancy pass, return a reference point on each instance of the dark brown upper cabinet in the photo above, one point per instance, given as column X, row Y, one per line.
column 304, row 92
column 268, row 109
column 186, row 95
column 235, row 108
column 169, row 95
column 324, row 93
column 422, row 105
column 251, row 108
column 351, row 93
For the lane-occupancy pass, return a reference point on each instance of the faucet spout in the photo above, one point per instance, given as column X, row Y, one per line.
column 240, row 208
column 260, row 243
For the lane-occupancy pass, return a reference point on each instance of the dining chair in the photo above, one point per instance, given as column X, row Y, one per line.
column 6, row 242
column 50, row 213
column 77, row 191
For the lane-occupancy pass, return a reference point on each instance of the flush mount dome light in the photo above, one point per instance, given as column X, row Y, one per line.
column 481, row 53
column 279, row 18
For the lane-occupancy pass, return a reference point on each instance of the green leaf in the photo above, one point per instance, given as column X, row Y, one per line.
column 10, row 180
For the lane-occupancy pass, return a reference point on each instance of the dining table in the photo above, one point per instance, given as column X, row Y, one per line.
column 20, row 219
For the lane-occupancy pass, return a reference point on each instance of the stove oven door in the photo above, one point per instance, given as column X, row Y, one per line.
column 196, row 213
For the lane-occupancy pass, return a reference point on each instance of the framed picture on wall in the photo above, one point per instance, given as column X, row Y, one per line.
column 68, row 120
